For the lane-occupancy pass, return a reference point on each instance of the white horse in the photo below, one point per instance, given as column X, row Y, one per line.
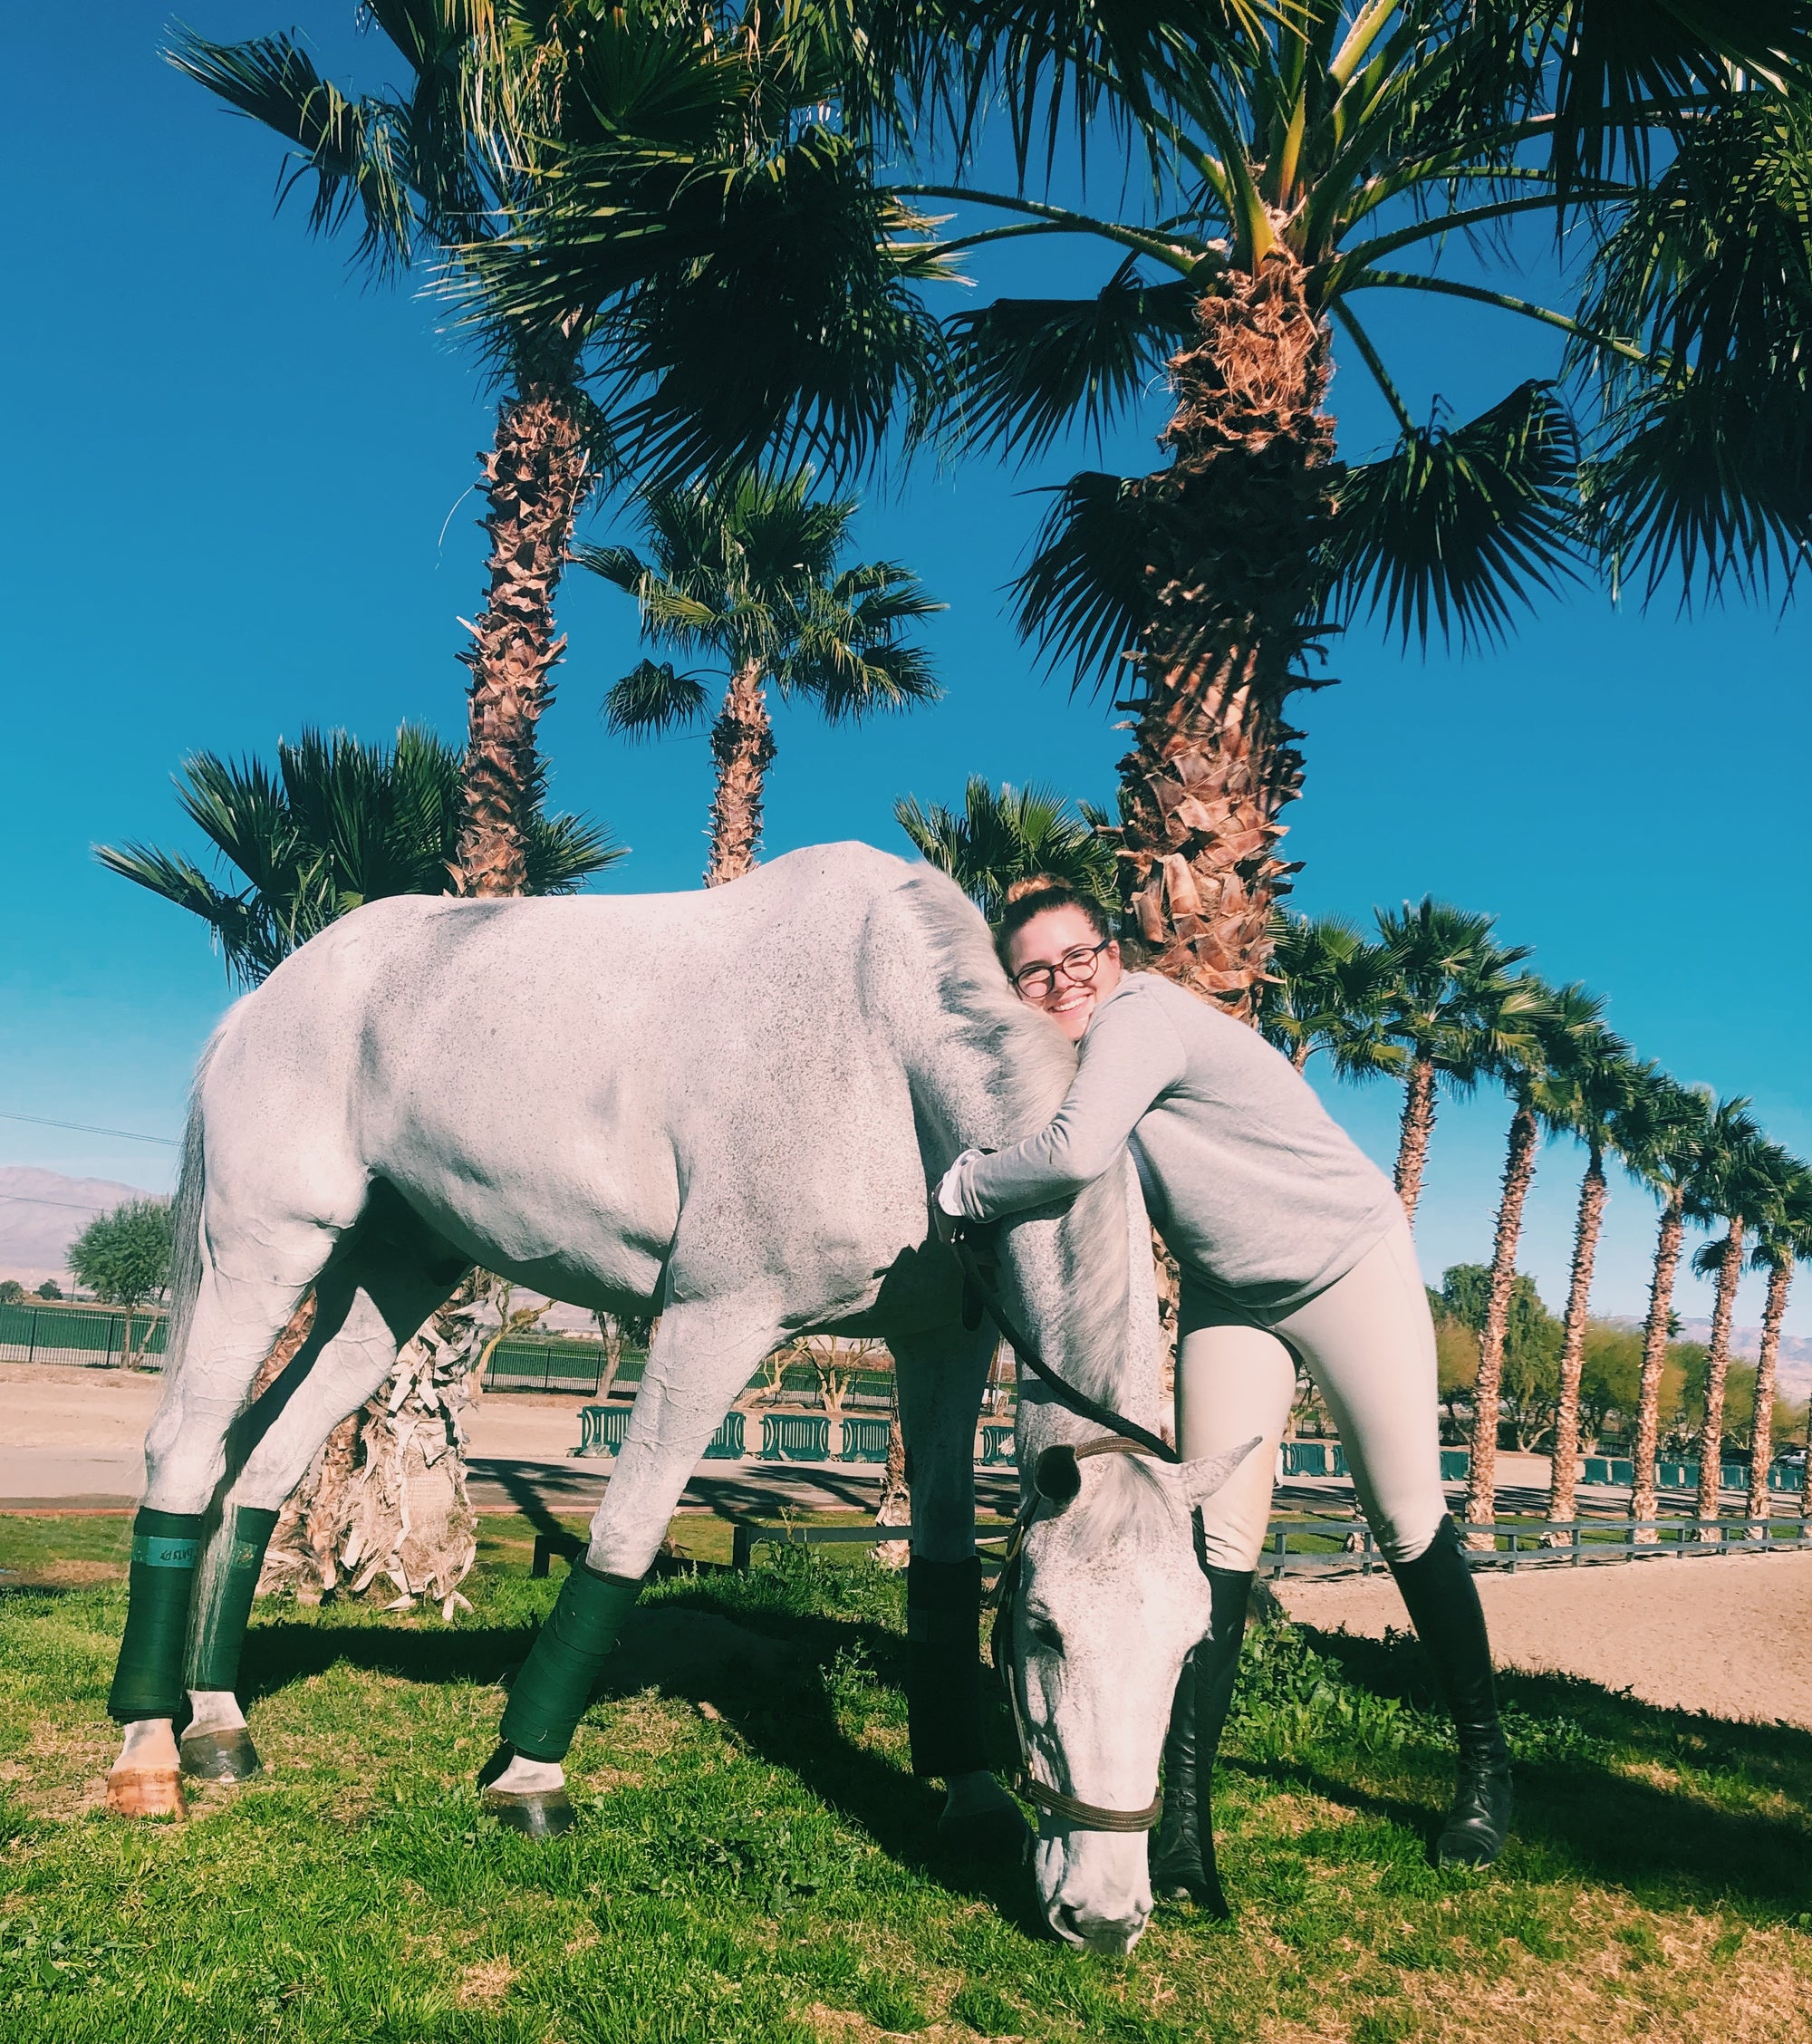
column 729, row 1106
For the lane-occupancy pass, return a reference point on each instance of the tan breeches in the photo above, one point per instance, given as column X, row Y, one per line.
column 1367, row 1344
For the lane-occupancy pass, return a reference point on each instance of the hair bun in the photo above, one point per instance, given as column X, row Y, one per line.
column 1032, row 883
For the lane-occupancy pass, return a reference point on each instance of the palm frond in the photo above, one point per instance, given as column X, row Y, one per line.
column 564, row 851
column 353, row 147
column 1013, row 833
column 1456, row 525
column 652, row 699
column 1024, row 369
column 1086, row 595
column 1624, row 70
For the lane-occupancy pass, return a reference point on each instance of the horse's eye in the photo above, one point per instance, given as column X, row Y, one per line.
column 1046, row 1634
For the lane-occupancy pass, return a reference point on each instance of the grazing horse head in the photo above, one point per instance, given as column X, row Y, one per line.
column 1109, row 1599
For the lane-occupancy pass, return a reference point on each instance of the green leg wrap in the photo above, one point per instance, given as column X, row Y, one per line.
column 148, row 1680
column 556, row 1684
column 943, row 1667
column 224, row 1599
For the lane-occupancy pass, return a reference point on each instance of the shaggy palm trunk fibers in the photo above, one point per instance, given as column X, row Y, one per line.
column 742, row 745
column 535, row 479
column 1233, row 528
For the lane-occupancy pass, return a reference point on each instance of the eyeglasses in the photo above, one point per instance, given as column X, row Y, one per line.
column 1077, row 967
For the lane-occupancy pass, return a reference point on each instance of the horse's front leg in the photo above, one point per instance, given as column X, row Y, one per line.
column 703, row 1352
column 942, row 1378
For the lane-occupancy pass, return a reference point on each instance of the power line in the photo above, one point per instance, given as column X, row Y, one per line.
column 87, row 1128
column 33, row 1199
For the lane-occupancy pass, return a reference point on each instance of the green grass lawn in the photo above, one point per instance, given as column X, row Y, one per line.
column 753, row 1861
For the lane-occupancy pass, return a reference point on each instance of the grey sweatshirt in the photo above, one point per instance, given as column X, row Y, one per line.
column 1260, row 1194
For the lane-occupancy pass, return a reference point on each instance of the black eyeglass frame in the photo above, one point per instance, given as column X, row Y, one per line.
column 1063, row 965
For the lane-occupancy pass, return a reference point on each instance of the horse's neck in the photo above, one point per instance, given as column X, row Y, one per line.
column 1089, row 1300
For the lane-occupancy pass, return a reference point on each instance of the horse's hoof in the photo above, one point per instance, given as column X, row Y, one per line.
column 1000, row 1833
column 536, row 1813
column 145, row 1791
column 220, row 1756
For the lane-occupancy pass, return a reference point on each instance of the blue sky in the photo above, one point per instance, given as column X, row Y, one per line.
column 240, row 507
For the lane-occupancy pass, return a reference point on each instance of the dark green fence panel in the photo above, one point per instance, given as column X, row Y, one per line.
column 865, row 1440
column 78, row 1336
column 795, row 1437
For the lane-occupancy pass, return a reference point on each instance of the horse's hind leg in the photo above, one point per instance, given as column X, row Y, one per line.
column 371, row 1302
column 942, row 1377
column 703, row 1352
column 232, row 1327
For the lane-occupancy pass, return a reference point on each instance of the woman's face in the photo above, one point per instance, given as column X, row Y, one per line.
column 1058, row 964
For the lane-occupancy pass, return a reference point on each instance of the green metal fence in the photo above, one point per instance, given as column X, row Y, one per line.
column 78, row 1336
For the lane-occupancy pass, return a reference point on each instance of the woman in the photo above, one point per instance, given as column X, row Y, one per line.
column 1293, row 1251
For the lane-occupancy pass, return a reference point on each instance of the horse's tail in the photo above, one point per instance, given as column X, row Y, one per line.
column 191, row 1192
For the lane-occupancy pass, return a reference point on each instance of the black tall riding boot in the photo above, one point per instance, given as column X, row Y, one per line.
column 1182, row 1852
column 1445, row 1608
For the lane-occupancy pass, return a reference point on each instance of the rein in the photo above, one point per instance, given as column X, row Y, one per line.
column 1057, row 1484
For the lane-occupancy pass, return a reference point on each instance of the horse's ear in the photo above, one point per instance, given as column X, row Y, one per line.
column 1055, row 1476
column 1203, row 1477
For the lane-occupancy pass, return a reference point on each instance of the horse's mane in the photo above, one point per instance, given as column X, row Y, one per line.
column 1029, row 1065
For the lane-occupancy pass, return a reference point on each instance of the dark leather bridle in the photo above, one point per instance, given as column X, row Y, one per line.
column 1055, row 1481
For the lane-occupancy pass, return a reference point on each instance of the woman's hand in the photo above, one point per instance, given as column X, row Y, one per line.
column 950, row 1202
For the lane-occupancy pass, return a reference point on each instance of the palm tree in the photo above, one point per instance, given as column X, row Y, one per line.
column 1662, row 1131
column 997, row 838
column 335, row 824
column 748, row 570
column 1452, row 1002
column 697, row 133
column 1783, row 1237
column 1279, row 163
column 427, row 170
column 1731, row 1184
column 1561, row 1026
column 1327, row 990
column 1582, row 1099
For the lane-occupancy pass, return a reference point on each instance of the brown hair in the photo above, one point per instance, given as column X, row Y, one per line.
column 1032, row 896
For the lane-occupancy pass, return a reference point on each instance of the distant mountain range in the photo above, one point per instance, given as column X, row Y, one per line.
column 41, row 1212
column 1796, row 1351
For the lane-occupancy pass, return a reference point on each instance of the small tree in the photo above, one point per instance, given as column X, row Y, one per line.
column 124, row 1256
column 11, row 1291
column 50, row 1290
column 619, row 1333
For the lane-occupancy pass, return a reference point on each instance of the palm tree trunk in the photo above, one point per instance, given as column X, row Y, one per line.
column 896, row 1499
column 1654, row 1363
column 742, row 744
column 1234, row 526
column 1481, row 1488
column 1299, row 1056
column 535, row 479
column 1414, row 1132
column 1594, row 1191
column 1716, row 1371
column 1761, row 1443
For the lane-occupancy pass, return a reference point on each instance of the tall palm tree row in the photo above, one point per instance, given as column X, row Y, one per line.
column 748, row 570
column 1438, row 992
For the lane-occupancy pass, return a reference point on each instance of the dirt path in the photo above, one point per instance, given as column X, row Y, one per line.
column 1730, row 1634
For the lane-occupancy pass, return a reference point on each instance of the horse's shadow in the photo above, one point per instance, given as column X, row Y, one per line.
column 763, row 1674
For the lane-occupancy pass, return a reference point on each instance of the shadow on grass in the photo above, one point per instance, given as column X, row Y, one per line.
column 786, row 1717
column 1594, row 1787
